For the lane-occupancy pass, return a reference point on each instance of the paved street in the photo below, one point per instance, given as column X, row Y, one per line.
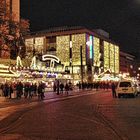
column 84, row 115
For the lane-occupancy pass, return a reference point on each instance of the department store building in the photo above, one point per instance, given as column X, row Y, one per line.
column 83, row 52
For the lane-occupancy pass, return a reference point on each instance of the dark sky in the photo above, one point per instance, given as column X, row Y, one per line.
column 121, row 18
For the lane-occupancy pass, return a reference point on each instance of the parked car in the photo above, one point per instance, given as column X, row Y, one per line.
column 138, row 87
column 126, row 87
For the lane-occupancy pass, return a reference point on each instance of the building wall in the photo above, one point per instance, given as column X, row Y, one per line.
column 14, row 8
column 63, row 49
column 71, row 46
column 127, row 63
column 111, row 57
column 77, row 41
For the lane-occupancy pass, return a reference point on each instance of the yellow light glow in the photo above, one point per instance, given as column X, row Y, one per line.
column 9, row 75
column 111, row 57
column 77, row 41
column 62, row 51
column 96, row 52
column 3, row 66
column 4, row 70
column 106, row 56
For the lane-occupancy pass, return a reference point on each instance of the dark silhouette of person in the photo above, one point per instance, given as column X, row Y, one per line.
column 113, row 87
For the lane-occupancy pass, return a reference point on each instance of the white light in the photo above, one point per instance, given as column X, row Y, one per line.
column 70, row 44
column 50, row 57
column 4, row 70
column 3, row 66
column 89, row 43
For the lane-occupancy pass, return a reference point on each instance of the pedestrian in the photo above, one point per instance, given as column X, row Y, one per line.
column 6, row 90
column 10, row 90
column 54, row 87
column 67, row 88
column 30, row 91
column 113, row 87
column 61, row 87
column 58, row 87
column 26, row 90
column 2, row 89
column 41, row 90
column 34, row 89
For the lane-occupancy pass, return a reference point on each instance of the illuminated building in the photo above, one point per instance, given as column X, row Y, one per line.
column 128, row 64
column 83, row 52
column 14, row 7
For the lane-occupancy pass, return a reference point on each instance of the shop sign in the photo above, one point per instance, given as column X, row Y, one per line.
column 51, row 58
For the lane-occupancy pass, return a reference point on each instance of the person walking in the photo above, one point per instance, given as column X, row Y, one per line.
column 67, row 88
column 58, row 85
column 10, row 90
column 41, row 90
column 54, row 87
column 113, row 87
column 61, row 88
column 6, row 90
column 19, row 90
column 34, row 89
column 2, row 89
column 30, row 91
column 26, row 90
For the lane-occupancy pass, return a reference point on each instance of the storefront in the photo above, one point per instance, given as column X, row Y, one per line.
column 47, row 70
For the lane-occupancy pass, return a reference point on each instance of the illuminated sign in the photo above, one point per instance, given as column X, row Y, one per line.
column 90, row 49
column 50, row 57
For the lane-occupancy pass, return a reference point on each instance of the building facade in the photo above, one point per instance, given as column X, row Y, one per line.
column 128, row 64
column 83, row 52
column 14, row 7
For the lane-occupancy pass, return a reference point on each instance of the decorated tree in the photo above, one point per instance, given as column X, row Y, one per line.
column 11, row 33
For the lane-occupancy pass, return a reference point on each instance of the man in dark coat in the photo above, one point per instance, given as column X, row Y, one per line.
column 113, row 87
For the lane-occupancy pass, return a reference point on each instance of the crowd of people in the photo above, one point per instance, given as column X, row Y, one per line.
column 19, row 89
column 60, row 87
column 105, row 85
column 29, row 90
column 96, row 85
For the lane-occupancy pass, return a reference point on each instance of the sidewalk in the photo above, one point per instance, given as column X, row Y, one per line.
column 6, row 102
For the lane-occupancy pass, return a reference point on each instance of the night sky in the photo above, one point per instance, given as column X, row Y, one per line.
column 121, row 18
